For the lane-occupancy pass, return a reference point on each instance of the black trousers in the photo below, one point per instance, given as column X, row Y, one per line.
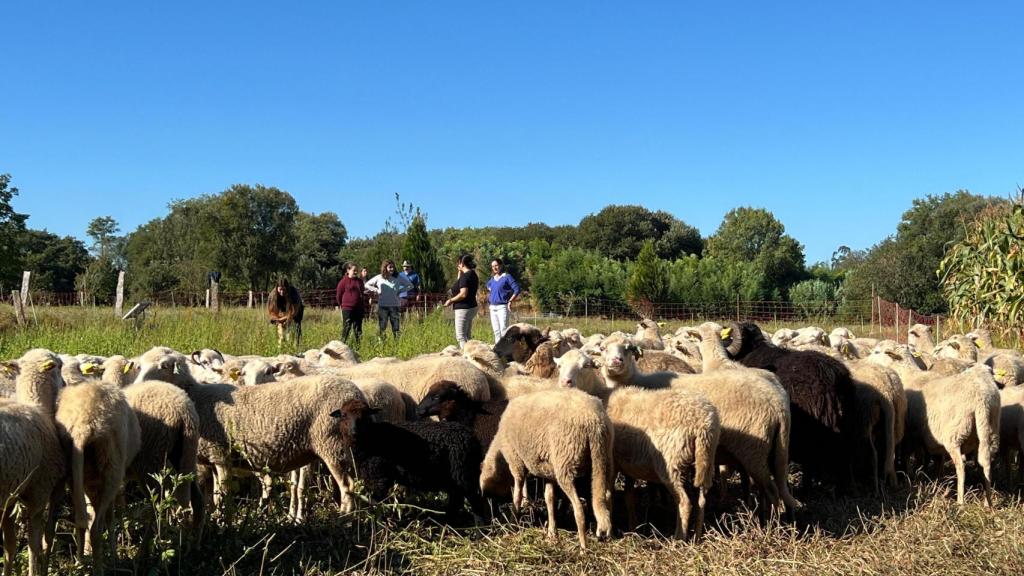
column 352, row 321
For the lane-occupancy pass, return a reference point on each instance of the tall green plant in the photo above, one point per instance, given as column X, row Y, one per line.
column 649, row 281
column 419, row 251
column 982, row 276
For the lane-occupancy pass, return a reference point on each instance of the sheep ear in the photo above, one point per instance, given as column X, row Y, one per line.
column 47, row 366
column 10, row 367
column 725, row 334
column 234, row 373
column 128, row 366
column 955, row 345
column 661, row 324
column 273, row 369
column 893, row 354
column 88, row 368
column 336, row 413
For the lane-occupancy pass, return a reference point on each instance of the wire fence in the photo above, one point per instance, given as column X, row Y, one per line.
column 885, row 318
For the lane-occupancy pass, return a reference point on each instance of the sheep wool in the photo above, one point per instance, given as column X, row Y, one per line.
column 667, row 436
column 557, row 435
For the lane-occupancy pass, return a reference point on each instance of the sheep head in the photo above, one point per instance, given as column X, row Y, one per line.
column 619, row 358
column 519, row 342
column 570, row 365
column 447, row 401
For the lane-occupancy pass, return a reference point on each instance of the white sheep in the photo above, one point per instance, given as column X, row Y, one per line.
column 754, row 411
column 415, row 376
column 1008, row 369
column 983, row 339
column 337, row 353
column 648, row 335
column 670, row 437
column 880, row 398
column 559, row 436
column 956, row 415
column 169, row 431
column 97, row 418
column 578, row 370
column 34, row 462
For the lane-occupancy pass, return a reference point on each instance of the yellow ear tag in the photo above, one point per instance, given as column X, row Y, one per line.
column 47, row 366
column 661, row 324
column 234, row 374
column 725, row 333
column 1000, row 373
column 88, row 368
column 915, row 354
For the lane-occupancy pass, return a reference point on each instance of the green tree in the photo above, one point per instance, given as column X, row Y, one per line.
column 902, row 267
column 620, row 231
column 570, row 275
column 714, row 281
column 103, row 231
column 649, row 281
column 54, row 261
column 755, row 235
column 99, row 280
column 12, row 228
column 255, row 226
column 983, row 274
column 419, row 251
column 319, row 240
column 814, row 297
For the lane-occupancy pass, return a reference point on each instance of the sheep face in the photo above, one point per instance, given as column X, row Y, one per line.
column 619, row 358
column 569, row 367
column 258, row 372
column 349, row 417
column 442, row 400
column 519, row 342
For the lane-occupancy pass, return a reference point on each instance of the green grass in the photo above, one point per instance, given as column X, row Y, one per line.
column 915, row 531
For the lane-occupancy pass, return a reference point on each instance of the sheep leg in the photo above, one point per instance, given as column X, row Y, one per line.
column 683, row 505
column 223, row 483
column 37, row 562
column 10, row 537
column 268, row 484
column 958, row 462
column 549, row 501
column 343, row 481
column 985, row 460
column 198, row 505
column 298, row 493
column 630, row 494
column 567, row 486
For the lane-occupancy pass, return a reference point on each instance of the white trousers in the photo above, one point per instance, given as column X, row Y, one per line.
column 499, row 320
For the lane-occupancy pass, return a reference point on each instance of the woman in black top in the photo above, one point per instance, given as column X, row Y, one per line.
column 463, row 301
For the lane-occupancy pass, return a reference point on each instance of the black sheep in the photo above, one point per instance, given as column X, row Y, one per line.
column 450, row 403
column 425, row 455
column 822, row 399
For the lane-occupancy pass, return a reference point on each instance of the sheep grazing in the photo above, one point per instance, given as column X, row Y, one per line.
column 98, row 420
column 518, row 342
column 667, row 436
column 754, row 413
column 425, row 455
column 34, row 462
column 822, row 399
column 559, row 436
column 450, row 403
column 169, row 431
column 955, row 415
column 648, row 335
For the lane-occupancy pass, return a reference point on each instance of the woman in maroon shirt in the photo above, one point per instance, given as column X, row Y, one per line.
column 351, row 301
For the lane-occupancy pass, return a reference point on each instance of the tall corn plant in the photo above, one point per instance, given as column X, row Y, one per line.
column 982, row 277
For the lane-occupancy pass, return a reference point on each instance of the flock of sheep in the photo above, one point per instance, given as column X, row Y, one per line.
column 680, row 410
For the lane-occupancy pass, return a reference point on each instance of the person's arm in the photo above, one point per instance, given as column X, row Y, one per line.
column 515, row 289
column 460, row 296
column 404, row 284
column 371, row 284
column 339, row 291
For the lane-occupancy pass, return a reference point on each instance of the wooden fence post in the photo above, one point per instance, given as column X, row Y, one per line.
column 207, row 297
column 249, row 305
column 19, row 308
column 25, row 276
column 215, row 296
column 119, row 298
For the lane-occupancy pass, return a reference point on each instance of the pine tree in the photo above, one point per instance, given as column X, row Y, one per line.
column 419, row 251
column 649, row 282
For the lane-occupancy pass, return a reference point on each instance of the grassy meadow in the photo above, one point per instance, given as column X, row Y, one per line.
column 915, row 530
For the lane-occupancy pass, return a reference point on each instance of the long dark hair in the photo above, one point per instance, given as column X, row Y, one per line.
column 384, row 268
column 279, row 303
column 467, row 261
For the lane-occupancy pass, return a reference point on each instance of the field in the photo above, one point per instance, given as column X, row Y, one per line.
column 915, row 530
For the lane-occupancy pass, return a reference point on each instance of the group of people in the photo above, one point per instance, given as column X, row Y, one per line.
column 394, row 292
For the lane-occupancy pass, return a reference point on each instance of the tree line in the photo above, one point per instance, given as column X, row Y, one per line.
column 253, row 233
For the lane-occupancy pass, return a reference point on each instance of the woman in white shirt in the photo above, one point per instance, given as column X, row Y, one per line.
column 387, row 286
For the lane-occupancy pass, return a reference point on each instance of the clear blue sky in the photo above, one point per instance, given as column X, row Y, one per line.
column 833, row 115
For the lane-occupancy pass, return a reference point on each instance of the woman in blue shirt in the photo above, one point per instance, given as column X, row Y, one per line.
column 503, row 290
